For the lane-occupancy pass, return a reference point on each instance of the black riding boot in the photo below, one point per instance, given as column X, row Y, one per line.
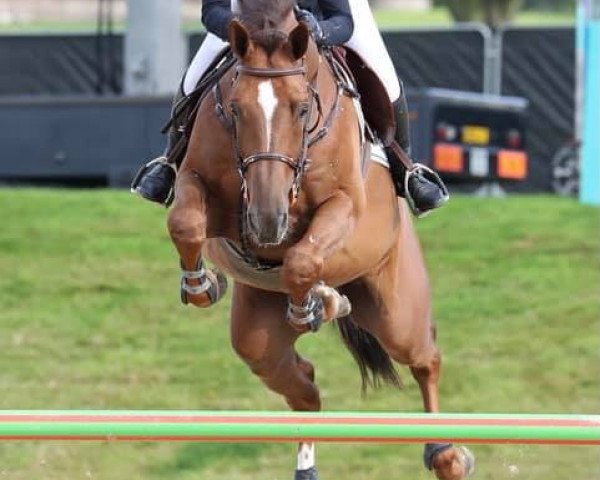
column 420, row 185
column 155, row 180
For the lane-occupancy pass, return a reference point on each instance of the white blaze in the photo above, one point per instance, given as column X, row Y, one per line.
column 268, row 102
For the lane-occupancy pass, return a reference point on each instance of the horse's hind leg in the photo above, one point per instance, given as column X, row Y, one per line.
column 394, row 305
column 448, row 462
column 408, row 337
column 187, row 227
column 262, row 338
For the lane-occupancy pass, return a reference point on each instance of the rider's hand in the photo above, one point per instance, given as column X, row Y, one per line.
column 313, row 25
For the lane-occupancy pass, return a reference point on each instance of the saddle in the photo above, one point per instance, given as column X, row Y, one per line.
column 374, row 100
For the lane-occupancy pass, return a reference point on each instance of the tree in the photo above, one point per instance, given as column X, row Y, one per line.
column 493, row 12
column 568, row 5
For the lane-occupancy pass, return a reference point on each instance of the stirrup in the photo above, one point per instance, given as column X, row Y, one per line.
column 430, row 175
column 431, row 451
column 144, row 169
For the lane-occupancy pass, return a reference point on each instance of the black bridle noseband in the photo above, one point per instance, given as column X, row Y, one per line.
column 297, row 164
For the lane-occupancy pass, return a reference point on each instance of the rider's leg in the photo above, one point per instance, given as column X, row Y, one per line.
column 421, row 186
column 425, row 190
column 208, row 51
column 156, row 180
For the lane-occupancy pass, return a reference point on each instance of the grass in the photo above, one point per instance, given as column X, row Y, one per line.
column 440, row 17
column 90, row 318
column 387, row 18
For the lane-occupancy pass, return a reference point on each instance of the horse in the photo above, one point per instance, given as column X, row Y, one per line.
column 274, row 192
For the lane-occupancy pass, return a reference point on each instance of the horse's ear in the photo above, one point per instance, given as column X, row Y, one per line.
column 239, row 38
column 298, row 41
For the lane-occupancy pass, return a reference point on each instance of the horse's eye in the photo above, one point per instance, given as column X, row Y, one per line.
column 303, row 109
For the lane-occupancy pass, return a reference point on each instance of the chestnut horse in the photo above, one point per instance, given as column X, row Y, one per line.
column 274, row 192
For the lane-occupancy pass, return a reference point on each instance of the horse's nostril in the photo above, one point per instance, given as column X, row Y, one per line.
column 283, row 221
column 267, row 228
column 253, row 219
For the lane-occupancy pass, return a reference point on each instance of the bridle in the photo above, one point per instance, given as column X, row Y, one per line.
column 299, row 163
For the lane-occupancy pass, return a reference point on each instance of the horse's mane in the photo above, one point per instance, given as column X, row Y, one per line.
column 262, row 19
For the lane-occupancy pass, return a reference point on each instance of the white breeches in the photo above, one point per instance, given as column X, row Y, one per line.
column 208, row 51
column 366, row 41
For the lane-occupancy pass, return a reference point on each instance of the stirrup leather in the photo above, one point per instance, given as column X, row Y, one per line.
column 144, row 169
column 430, row 175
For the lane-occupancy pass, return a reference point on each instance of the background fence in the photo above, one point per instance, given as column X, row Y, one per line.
column 538, row 64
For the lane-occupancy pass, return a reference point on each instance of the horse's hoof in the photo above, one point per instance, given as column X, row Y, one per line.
column 468, row 461
column 335, row 304
column 309, row 474
column 453, row 463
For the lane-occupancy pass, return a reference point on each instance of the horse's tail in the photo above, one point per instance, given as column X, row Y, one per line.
column 375, row 365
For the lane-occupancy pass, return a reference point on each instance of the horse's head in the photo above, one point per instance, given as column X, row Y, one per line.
column 270, row 104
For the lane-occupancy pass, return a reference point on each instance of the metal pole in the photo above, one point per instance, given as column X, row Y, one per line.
column 493, row 62
column 292, row 427
column 155, row 49
column 589, row 40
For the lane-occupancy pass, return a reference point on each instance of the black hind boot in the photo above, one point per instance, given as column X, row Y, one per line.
column 156, row 179
column 419, row 184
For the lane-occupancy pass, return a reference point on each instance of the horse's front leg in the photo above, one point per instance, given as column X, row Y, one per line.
column 187, row 226
column 311, row 302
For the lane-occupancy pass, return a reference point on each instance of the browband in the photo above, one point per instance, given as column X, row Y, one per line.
column 270, row 72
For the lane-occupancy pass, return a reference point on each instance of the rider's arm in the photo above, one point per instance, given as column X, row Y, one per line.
column 337, row 23
column 216, row 15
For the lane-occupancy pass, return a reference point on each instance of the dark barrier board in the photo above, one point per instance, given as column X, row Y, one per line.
column 103, row 140
column 429, row 58
column 69, row 138
column 539, row 64
column 451, row 59
column 86, row 64
column 194, row 41
column 60, row 65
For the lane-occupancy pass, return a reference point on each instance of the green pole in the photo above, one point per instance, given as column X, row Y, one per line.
column 292, row 427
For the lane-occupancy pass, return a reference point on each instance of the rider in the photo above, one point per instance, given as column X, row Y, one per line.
column 332, row 22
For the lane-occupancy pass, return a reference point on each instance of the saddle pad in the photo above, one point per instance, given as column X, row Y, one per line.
column 378, row 155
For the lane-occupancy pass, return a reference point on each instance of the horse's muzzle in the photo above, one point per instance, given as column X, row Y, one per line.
column 266, row 228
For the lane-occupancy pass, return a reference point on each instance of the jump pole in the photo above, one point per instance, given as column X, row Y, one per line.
column 225, row 426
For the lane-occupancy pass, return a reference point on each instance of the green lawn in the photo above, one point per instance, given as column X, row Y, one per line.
column 90, row 318
column 390, row 19
column 386, row 18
